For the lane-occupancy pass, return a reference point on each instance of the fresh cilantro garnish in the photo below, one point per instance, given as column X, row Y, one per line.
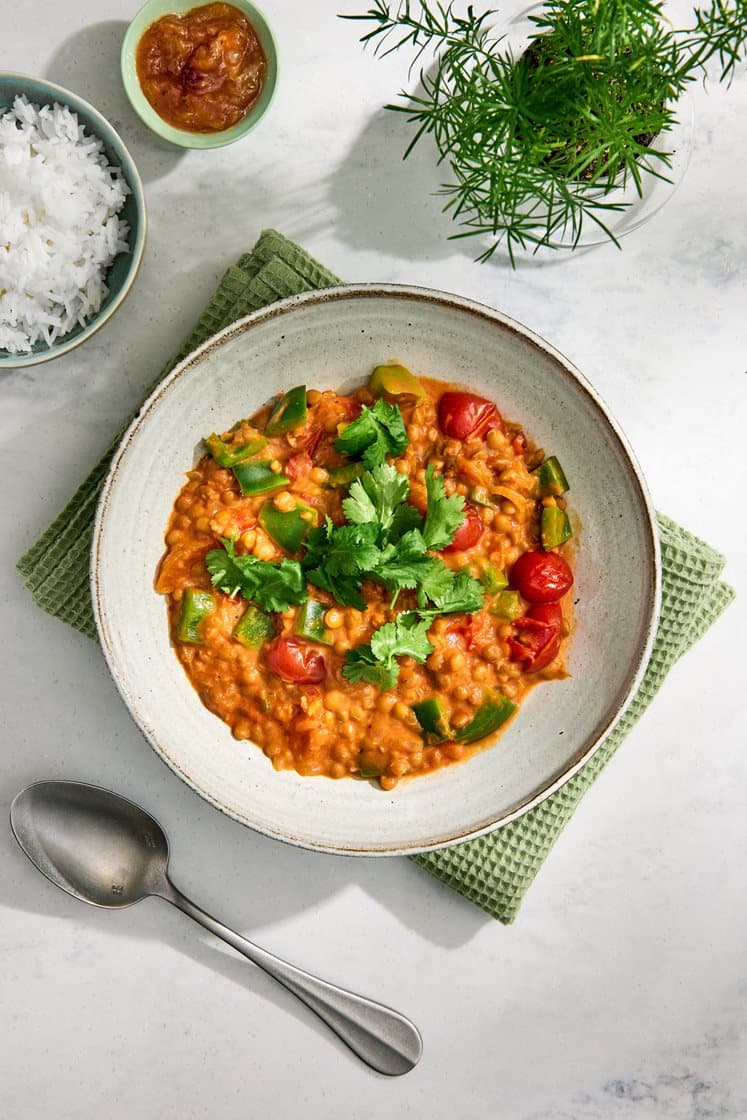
column 407, row 564
column 374, row 498
column 336, row 558
column 405, row 637
column 444, row 515
column 274, row 587
column 379, row 431
column 463, row 594
column 362, row 665
column 376, row 664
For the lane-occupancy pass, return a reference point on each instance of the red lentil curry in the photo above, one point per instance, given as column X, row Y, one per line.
column 367, row 585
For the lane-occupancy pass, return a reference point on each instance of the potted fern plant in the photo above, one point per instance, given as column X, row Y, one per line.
column 542, row 144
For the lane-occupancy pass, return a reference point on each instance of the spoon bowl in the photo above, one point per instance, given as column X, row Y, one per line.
column 107, row 851
column 100, row 848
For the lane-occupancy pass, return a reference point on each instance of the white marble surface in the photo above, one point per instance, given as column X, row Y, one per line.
column 620, row 991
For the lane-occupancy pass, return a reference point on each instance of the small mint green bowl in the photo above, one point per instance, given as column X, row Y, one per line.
column 153, row 10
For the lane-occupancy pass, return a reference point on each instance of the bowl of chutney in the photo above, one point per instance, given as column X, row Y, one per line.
column 199, row 76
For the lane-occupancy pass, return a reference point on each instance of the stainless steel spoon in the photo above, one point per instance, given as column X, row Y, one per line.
column 109, row 852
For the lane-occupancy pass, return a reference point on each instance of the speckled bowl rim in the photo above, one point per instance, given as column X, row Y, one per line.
column 198, row 141
column 285, row 307
column 106, row 132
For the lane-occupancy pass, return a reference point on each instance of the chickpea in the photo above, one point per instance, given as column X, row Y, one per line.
column 335, row 701
column 334, row 618
column 284, row 501
column 263, row 549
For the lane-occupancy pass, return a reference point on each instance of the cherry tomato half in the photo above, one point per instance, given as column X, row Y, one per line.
column 541, row 577
column 311, row 441
column 536, row 638
column 474, row 631
column 461, row 415
column 298, row 465
column 468, row 533
column 295, row 661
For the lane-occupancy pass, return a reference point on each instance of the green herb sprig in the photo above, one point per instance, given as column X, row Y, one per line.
column 274, row 587
column 536, row 145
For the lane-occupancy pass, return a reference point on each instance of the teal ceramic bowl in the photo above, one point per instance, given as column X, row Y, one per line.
column 122, row 273
column 153, row 10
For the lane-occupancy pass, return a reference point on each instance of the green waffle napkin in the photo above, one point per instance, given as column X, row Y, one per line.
column 493, row 871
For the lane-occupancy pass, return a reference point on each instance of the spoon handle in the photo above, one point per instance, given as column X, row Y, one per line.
column 384, row 1039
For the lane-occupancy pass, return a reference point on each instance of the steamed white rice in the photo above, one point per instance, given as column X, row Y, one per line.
column 59, row 224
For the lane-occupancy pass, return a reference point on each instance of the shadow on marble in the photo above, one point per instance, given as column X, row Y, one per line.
column 393, row 204
column 88, row 64
column 245, row 878
column 381, row 200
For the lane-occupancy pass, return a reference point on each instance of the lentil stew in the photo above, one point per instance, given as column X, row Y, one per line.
column 367, row 585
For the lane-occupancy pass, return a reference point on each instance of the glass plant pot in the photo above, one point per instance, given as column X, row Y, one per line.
column 630, row 207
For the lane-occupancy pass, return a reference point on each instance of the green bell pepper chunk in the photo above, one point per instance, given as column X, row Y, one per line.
column 396, row 381
column 493, row 579
column 258, row 477
column 555, row 527
column 196, row 606
column 371, row 763
column 492, row 714
column 507, row 604
column 229, row 454
column 288, row 528
column 481, row 496
column 289, row 412
column 343, row 476
column 552, row 478
column 310, row 623
column 434, row 723
column 254, row 627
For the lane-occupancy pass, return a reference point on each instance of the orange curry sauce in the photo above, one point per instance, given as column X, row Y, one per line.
column 201, row 70
column 333, row 726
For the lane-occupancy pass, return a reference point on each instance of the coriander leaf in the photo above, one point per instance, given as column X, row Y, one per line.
column 435, row 582
column 463, row 594
column 405, row 517
column 444, row 515
column 337, row 558
column 407, row 563
column 362, row 665
column 375, row 663
column 345, row 589
column 405, row 637
column 347, row 550
column 374, row 498
column 379, row 431
column 275, row 587
column 282, row 586
column 225, row 573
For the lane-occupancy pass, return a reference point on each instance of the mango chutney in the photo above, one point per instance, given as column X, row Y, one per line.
column 201, row 70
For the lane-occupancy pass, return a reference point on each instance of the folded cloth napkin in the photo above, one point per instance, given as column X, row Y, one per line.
column 493, row 871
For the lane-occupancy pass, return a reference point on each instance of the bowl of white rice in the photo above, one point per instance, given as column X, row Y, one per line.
column 72, row 220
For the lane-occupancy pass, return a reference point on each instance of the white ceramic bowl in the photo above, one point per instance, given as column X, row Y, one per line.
column 330, row 339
